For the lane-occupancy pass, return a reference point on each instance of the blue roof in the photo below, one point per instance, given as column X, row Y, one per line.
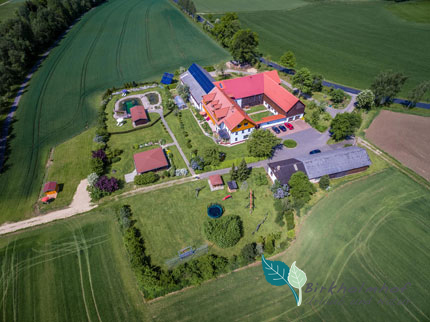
column 167, row 78
column 202, row 77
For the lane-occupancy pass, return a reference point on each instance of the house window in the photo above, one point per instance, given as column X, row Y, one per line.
column 239, row 125
column 235, row 139
column 246, row 124
column 243, row 131
column 246, row 136
column 249, row 130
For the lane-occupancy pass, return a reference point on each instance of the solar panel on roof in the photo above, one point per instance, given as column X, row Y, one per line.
column 167, row 78
column 202, row 77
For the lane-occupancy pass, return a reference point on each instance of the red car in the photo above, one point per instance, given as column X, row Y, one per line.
column 289, row 126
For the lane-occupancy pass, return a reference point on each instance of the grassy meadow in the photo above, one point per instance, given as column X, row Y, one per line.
column 371, row 231
column 69, row 271
column 117, row 42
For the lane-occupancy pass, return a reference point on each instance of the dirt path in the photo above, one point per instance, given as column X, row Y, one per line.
column 81, row 203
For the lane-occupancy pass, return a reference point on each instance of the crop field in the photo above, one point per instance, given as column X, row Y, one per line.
column 347, row 42
column 69, row 271
column 8, row 8
column 371, row 231
column 117, row 42
column 405, row 137
column 220, row 6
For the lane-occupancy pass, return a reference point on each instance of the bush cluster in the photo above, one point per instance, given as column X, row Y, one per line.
column 225, row 231
column 146, row 178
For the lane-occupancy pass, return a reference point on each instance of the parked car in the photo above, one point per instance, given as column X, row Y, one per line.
column 315, row 151
column 275, row 129
column 282, row 128
column 289, row 126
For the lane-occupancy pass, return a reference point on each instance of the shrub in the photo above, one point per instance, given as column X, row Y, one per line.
column 103, row 133
column 92, row 178
column 96, row 193
column 290, row 143
column 225, row 231
column 181, row 172
column 248, row 253
column 115, row 159
column 260, row 179
column 291, row 234
column 97, row 166
column 289, row 216
column 324, row 182
column 209, row 68
column 197, row 163
column 100, row 154
column 338, row 95
column 279, row 191
column 269, row 245
column 146, row 178
column 107, row 184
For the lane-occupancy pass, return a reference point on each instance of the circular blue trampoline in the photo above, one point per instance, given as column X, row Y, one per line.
column 215, row 211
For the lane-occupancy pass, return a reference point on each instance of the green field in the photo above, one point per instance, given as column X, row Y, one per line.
column 219, row 6
column 347, row 42
column 415, row 11
column 371, row 231
column 117, row 42
column 69, row 271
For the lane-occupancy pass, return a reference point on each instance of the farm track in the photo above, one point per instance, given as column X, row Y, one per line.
column 148, row 43
column 121, row 41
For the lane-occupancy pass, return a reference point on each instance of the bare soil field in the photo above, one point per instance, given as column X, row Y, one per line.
column 405, row 137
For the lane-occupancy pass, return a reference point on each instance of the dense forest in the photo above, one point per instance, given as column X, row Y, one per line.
column 35, row 27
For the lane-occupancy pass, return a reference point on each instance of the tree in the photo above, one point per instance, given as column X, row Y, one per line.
column 344, row 125
column 225, row 29
column 97, row 166
column 243, row 46
column 261, row 143
column 365, row 99
column 288, row 59
column 269, row 244
column 225, row 231
column 248, row 253
column 324, row 182
column 183, row 91
column 243, row 171
column 317, row 80
column 220, row 68
column 92, row 178
column 211, row 155
column 107, row 184
column 282, row 206
column 303, row 81
column 301, row 189
column 233, row 173
column 386, row 85
column 337, row 95
column 416, row 94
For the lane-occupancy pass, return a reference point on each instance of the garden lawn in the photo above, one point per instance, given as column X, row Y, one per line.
column 72, row 270
column 71, row 164
column 177, row 158
column 255, row 108
column 171, row 219
column 259, row 116
column 371, row 231
column 119, row 41
column 126, row 142
column 347, row 42
column 199, row 141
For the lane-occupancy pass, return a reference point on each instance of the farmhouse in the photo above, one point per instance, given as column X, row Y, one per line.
column 264, row 88
column 336, row 163
column 200, row 83
column 231, row 122
column 151, row 160
column 139, row 115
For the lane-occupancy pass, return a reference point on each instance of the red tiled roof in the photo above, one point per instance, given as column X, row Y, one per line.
column 138, row 113
column 271, row 118
column 50, row 186
column 267, row 83
column 150, row 160
column 216, row 180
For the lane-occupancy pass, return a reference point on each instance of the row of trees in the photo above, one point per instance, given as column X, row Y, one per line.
column 35, row 26
column 188, row 6
column 242, row 43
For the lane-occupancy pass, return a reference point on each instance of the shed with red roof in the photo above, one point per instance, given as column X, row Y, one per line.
column 139, row 115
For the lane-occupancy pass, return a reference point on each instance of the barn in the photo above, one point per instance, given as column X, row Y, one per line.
column 200, row 83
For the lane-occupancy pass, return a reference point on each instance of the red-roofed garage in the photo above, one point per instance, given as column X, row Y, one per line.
column 151, row 160
column 139, row 115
